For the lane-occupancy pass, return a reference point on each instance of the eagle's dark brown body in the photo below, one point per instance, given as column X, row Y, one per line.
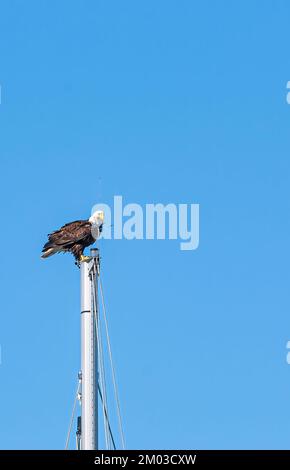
column 73, row 237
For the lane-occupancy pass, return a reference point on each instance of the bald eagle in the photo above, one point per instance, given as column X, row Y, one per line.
column 75, row 237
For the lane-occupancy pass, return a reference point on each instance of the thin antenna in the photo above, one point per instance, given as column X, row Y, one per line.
column 101, row 187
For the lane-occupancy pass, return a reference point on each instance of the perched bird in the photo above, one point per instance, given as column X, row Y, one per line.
column 75, row 237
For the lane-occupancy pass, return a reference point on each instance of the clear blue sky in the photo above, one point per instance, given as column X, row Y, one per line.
column 165, row 101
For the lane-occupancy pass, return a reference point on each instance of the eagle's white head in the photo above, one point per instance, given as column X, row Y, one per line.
column 97, row 218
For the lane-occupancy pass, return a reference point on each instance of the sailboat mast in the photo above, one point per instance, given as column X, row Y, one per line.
column 89, row 359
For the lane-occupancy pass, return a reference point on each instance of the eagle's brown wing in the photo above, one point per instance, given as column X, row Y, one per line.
column 73, row 232
column 74, row 237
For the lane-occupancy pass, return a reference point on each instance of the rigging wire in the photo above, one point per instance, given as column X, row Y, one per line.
column 109, row 426
column 102, row 386
column 103, row 375
column 121, row 429
column 72, row 415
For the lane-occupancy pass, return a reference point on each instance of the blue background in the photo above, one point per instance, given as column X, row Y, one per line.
column 159, row 101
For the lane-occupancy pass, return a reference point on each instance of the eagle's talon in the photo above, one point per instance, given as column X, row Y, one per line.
column 84, row 259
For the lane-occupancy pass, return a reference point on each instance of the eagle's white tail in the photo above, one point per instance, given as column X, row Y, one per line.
column 48, row 252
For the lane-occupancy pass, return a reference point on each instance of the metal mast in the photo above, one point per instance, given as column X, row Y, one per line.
column 92, row 384
column 89, row 356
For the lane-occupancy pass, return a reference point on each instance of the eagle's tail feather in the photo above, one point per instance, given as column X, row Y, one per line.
column 49, row 252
